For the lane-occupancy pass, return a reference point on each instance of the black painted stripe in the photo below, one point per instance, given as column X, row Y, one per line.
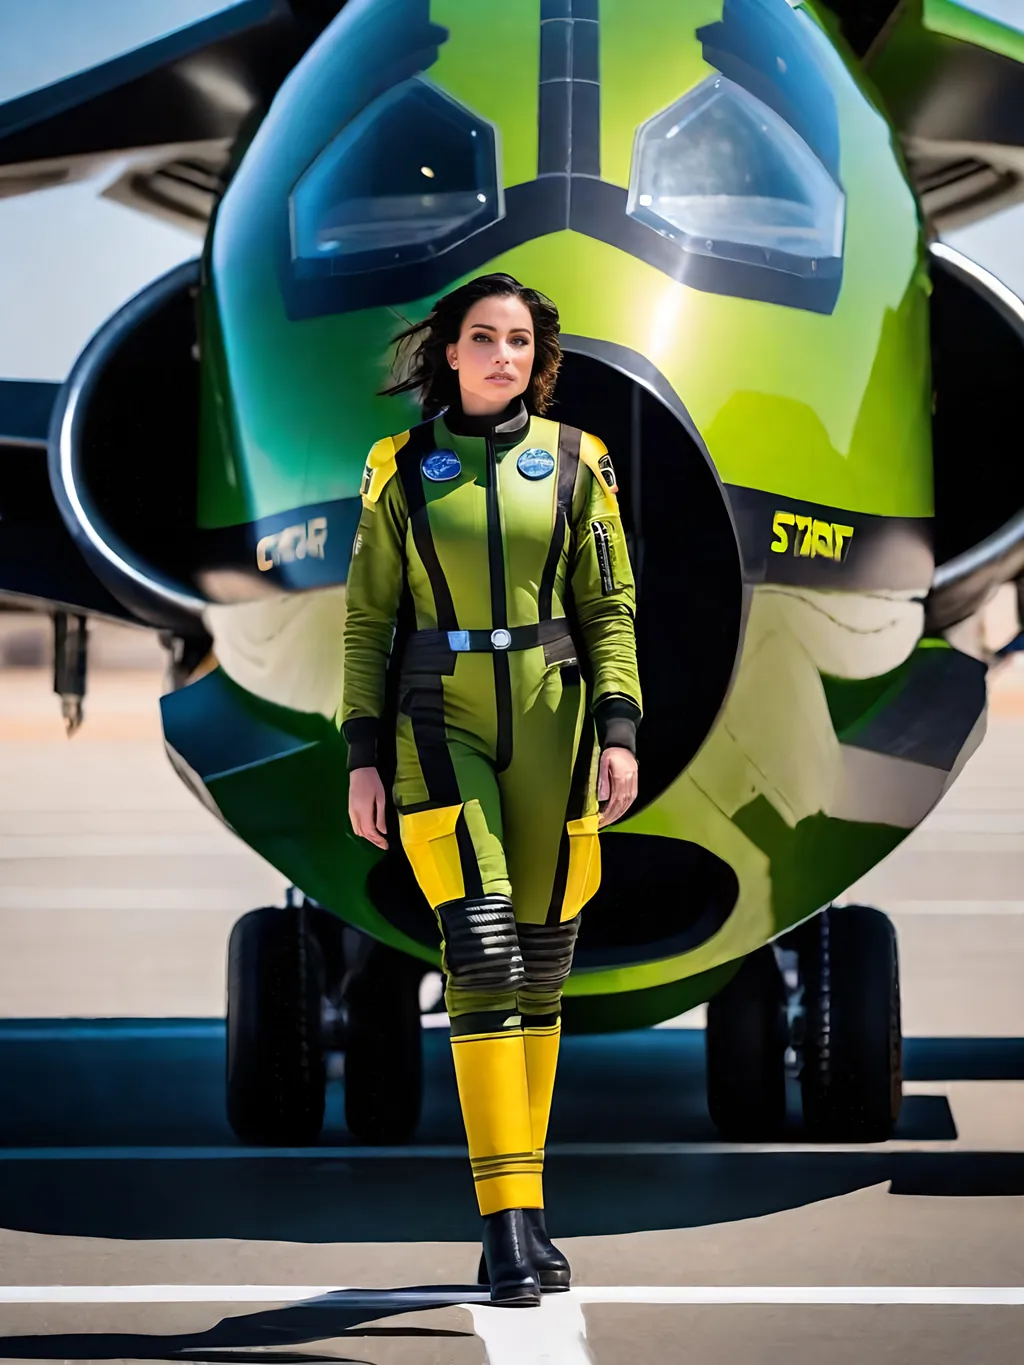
column 569, row 103
column 586, row 128
column 891, row 553
column 584, row 49
column 568, row 462
column 421, row 441
column 597, row 210
column 556, row 51
column 499, row 615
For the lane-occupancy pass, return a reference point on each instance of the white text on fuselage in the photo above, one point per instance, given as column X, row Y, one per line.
column 305, row 541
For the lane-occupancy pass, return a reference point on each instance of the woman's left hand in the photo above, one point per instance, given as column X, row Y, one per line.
column 616, row 784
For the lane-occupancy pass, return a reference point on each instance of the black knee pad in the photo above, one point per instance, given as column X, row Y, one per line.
column 481, row 945
column 547, row 953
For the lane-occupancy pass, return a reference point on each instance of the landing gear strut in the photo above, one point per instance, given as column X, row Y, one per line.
column 301, row 986
column 834, row 1011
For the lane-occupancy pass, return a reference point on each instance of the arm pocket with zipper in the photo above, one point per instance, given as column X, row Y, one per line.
column 603, row 547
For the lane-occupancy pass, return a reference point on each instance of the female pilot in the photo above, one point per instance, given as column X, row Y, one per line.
column 503, row 527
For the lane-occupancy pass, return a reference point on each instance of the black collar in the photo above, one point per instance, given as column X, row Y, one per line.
column 510, row 423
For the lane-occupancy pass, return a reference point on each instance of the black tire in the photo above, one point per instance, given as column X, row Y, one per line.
column 383, row 1049
column 276, row 1074
column 852, row 1075
column 745, row 1051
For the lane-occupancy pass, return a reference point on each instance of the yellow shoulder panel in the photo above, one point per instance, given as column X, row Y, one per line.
column 594, row 454
column 380, row 466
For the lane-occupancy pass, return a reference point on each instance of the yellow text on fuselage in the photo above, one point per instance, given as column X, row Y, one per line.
column 810, row 538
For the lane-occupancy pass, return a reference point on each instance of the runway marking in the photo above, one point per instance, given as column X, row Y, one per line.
column 452, row 1152
column 556, row 1334
column 380, row 1300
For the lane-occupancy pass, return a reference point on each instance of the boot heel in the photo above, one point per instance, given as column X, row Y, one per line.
column 553, row 1269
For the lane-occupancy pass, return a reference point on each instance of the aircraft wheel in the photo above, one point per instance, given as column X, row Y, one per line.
column 852, row 1076
column 276, row 1074
column 383, row 1048
column 745, row 1047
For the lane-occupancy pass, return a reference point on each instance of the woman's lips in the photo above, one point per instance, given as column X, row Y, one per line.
column 499, row 379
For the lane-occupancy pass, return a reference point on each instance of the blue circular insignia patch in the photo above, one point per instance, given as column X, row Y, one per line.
column 441, row 465
column 535, row 464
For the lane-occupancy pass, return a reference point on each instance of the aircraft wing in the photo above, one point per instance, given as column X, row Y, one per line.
column 170, row 108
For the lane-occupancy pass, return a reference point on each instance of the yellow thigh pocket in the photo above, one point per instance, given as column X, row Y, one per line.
column 432, row 847
column 584, row 865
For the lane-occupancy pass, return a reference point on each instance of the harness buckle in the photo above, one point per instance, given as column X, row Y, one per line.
column 458, row 640
column 500, row 638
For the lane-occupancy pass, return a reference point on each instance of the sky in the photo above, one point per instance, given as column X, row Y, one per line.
column 69, row 258
column 42, row 41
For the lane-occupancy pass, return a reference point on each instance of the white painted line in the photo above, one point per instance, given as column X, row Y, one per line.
column 369, row 1299
column 856, row 1295
column 452, row 1152
column 557, row 1335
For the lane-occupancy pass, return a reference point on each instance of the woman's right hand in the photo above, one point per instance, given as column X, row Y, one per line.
column 366, row 805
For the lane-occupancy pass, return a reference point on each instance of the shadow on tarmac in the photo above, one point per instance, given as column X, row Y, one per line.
column 334, row 1318
column 145, row 1084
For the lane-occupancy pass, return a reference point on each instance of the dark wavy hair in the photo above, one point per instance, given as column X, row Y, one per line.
column 422, row 364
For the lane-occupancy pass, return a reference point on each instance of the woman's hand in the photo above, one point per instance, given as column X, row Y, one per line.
column 616, row 784
column 366, row 805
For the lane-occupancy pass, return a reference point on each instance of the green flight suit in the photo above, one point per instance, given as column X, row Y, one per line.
column 497, row 529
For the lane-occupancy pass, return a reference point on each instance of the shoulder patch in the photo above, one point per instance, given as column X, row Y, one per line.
column 380, row 466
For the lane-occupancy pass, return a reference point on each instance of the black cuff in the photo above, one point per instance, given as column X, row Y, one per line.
column 360, row 735
column 616, row 719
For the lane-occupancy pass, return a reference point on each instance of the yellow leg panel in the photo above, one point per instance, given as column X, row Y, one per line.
column 584, row 865
column 541, row 1065
column 493, row 1091
column 430, row 843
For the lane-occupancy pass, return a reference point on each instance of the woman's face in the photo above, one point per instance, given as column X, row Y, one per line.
column 494, row 354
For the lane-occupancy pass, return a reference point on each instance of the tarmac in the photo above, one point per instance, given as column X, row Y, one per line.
column 134, row 1227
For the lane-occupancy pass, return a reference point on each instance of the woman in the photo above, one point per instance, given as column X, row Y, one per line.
column 498, row 523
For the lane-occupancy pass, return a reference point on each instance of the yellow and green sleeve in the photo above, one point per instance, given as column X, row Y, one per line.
column 375, row 579
column 604, row 593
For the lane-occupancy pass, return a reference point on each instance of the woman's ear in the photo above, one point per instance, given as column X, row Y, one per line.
column 452, row 352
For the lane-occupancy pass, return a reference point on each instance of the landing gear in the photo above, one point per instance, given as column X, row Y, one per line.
column 301, row 986
column 745, row 1050
column 827, row 998
column 276, row 1074
column 851, row 1081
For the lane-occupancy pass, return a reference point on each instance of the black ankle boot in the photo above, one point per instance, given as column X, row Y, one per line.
column 551, row 1266
column 506, row 1264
